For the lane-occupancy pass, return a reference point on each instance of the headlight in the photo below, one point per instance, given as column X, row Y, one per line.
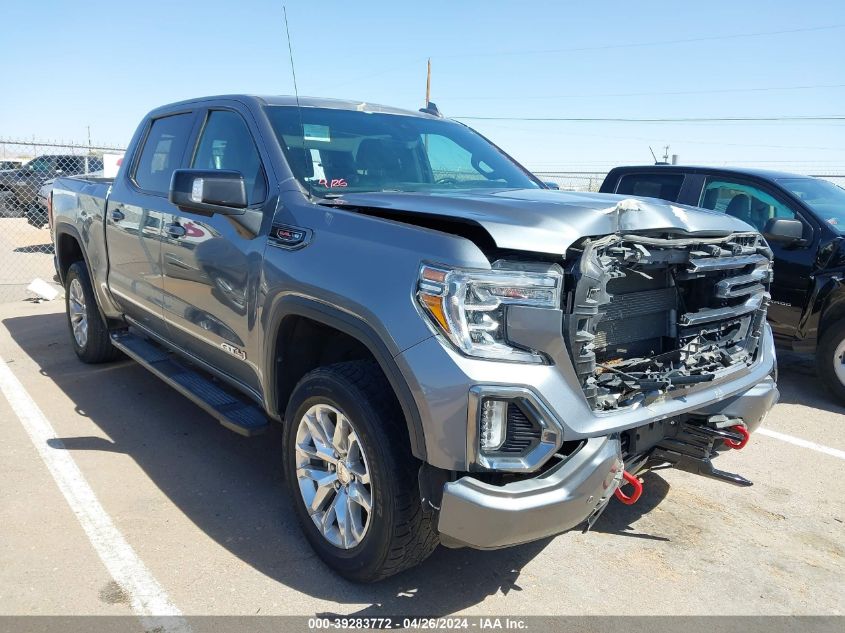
column 470, row 306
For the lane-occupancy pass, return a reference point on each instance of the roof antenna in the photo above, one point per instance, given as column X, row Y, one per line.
column 298, row 107
column 653, row 155
column 430, row 108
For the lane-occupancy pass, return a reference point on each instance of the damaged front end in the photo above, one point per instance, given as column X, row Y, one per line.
column 648, row 314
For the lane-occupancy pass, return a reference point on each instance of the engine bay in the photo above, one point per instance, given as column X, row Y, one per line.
column 648, row 314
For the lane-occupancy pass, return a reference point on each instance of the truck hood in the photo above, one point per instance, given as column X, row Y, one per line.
column 543, row 220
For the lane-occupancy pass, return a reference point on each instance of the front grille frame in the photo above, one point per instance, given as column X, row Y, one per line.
column 708, row 282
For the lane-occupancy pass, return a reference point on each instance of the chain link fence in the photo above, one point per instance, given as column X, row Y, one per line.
column 27, row 170
column 573, row 180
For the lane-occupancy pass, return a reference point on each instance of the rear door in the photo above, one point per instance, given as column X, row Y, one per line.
column 756, row 204
column 134, row 220
column 212, row 265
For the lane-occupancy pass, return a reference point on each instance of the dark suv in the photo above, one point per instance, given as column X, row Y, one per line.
column 21, row 185
column 803, row 219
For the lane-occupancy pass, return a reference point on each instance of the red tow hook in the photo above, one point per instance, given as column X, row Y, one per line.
column 638, row 489
column 745, row 437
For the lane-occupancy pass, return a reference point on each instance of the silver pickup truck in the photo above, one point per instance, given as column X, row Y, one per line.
column 457, row 353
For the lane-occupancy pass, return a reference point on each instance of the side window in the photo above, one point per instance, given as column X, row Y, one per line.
column 227, row 144
column 746, row 202
column 162, row 152
column 452, row 163
column 43, row 164
column 663, row 186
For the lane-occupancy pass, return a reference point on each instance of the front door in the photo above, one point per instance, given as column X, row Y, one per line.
column 212, row 264
column 792, row 267
column 135, row 217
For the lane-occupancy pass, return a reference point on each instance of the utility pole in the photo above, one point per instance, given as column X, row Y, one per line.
column 666, row 154
column 428, row 84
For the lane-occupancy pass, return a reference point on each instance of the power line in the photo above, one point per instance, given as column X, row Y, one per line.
column 653, row 94
column 834, row 117
column 406, row 64
column 604, row 47
column 569, row 134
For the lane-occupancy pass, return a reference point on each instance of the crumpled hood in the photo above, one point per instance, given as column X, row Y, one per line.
column 548, row 221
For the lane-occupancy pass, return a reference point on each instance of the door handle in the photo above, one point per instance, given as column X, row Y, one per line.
column 176, row 230
column 117, row 215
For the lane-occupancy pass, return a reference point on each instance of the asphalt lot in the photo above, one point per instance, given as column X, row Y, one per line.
column 201, row 507
column 26, row 252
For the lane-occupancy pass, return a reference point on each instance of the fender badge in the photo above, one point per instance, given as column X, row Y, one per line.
column 234, row 351
column 288, row 236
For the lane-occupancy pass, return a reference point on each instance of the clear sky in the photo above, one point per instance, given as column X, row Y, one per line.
column 106, row 63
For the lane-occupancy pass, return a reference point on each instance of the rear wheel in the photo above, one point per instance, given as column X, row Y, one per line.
column 88, row 332
column 830, row 359
column 350, row 473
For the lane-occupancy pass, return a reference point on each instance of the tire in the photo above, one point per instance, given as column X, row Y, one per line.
column 9, row 206
column 88, row 332
column 37, row 217
column 397, row 534
column 830, row 359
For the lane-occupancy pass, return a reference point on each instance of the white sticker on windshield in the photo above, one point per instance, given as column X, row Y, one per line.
column 313, row 132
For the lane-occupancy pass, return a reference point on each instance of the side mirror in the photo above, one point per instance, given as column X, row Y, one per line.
column 208, row 191
column 551, row 184
column 784, row 231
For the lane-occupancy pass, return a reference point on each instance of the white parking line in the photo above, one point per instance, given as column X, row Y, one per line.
column 147, row 598
column 783, row 437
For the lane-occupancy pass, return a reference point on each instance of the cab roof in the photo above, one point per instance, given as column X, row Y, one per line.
column 305, row 102
column 764, row 174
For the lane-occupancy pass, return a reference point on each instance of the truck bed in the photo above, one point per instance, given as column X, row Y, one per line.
column 81, row 203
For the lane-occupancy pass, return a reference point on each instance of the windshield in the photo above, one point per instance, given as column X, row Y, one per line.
column 342, row 151
column 822, row 196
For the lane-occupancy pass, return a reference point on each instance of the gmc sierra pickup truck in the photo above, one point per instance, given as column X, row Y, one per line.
column 457, row 353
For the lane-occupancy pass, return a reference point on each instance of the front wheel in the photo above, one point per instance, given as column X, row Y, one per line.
column 350, row 473
column 88, row 332
column 830, row 359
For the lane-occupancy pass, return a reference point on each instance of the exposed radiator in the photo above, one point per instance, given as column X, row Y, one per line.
column 636, row 316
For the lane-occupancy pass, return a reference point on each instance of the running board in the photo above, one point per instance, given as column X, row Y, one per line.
column 233, row 411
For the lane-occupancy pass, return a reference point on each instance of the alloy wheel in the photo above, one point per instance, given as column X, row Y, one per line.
column 77, row 313
column 333, row 476
column 839, row 361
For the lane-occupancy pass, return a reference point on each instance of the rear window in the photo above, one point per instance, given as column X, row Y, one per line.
column 664, row 186
column 162, row 152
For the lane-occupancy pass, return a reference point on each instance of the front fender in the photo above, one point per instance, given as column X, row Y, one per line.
column 826, row 306
column 296, row 305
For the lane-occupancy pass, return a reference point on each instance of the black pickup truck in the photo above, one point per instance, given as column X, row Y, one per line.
column 802, row 218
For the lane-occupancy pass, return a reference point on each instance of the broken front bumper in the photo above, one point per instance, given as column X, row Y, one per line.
column 484, row 516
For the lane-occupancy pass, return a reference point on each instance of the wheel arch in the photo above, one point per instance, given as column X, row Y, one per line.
column 68, row 250
column 289, row 313
column 833, row 308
